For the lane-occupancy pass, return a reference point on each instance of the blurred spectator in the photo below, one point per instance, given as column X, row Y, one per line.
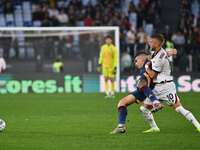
column 6, row 43
column 53, row 15
column 38, row 14
column 58, row 65
column 195, row 8
column 95, row 13
column 2, row 6
column 132, row 8
column 72, row 20
column 131, row 41
column 196, row 52
column 89, row 10
column 16, row 47
column 179, row 41
column 140, row 14
column 150, row 16
column 122, row 41
column 193, row 21
column 167, row 35
column 62, row 18
column 8, row 9
column 190, row 47
column 125, row 25
column 53, row 12
column 80, row 20
column 105, row 20
column 114, row 21
column 88, row 21
column 46, row 21
column 71, row 15
column 126, row 62
column 141, row 39
column 98, row 10
column 191, row 40
column 97, row 19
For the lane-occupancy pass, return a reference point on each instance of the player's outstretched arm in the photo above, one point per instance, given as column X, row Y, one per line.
column 172, row 52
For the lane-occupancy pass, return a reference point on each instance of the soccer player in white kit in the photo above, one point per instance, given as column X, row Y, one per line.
column 165, row 88
column 2, row 67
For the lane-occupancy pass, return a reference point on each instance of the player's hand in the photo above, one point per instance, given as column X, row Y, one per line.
column 115, row 70
column 147, row 64
column 174, row 51
column 149, row 57
column 99, row 68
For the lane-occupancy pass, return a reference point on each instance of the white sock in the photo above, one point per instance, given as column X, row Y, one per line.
column 149, row 117
column 188, row 115
column 120, row 125
column 156, row 101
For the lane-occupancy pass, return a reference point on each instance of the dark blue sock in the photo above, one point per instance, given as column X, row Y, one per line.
column 148, row 93
column 122, row 112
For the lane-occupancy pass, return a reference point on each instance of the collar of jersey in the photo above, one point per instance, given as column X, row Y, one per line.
column 156, row 53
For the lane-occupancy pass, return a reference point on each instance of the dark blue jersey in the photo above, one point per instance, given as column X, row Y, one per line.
column 143, row 75
column 143, row 67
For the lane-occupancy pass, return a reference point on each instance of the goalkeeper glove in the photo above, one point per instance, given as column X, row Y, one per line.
column 115, row 70
column 99, row 68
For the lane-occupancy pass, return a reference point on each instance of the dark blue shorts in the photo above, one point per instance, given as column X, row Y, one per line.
column 139, row 96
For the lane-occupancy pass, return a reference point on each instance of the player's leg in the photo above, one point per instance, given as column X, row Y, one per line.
column 106, row 87
column 187, row 114
column 135, row 97
column 145, row 109
column 143, row 86
column 112, row 79
column 112, row 88
column 167, row 92
column 122, row 113
column 105, row 74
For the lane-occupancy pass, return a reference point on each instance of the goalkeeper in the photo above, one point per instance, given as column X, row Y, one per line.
column 108, row 60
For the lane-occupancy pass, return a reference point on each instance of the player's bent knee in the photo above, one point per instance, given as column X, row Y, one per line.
column 126, row 101
column 122, row 102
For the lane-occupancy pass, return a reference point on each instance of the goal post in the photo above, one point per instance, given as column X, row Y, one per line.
column 38, row 34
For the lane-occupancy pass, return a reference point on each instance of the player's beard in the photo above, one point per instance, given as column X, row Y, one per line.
column 152, row 49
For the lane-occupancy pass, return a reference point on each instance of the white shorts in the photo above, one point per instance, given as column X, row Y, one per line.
column 164, row 92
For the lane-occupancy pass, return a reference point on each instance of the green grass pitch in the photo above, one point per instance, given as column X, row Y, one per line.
column 83, row 122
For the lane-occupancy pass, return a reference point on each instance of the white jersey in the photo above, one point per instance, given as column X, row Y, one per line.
column 160, row 65
column 2, row 65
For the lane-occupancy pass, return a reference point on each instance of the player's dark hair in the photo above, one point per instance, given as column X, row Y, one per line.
column 159, row 37
column 108, row 37
column 140, row 53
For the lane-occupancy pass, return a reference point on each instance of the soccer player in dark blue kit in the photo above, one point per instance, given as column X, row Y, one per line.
column 144, row 89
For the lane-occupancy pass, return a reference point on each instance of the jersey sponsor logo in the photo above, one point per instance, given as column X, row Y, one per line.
column 162, row 55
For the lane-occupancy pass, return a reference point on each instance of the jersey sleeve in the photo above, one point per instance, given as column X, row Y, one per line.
column 157, row 65
column 115, row 57
column 101, row 56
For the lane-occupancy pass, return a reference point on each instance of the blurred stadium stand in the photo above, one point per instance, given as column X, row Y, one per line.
column 151, row 16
